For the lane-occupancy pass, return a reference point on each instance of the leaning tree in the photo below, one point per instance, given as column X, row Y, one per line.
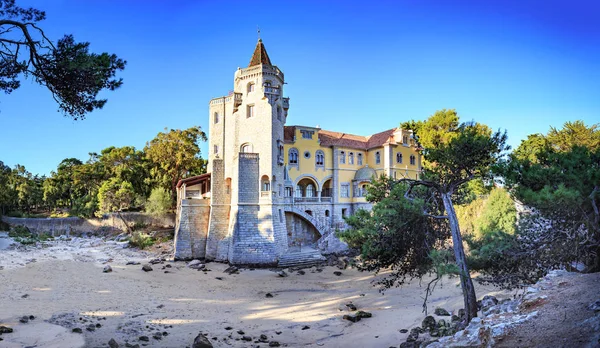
column 73, row 75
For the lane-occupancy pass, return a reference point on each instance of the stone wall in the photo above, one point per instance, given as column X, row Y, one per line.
column 217, row 246
column 192, row 229
column 76, row 225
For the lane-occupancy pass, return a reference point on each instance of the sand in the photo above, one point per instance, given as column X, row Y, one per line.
column 65, row 285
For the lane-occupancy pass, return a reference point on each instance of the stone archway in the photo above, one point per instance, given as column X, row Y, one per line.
column 303, row 229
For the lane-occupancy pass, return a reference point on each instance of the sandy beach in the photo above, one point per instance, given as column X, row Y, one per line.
column 63, row 287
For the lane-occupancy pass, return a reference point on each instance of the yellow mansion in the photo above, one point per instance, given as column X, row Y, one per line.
column 273, row 190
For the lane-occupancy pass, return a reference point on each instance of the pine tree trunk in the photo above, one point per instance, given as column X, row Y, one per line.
column 459, row 253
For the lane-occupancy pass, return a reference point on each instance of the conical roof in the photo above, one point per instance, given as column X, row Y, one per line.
column 260, row 55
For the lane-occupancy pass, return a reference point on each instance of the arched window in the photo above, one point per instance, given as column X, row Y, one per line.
column 216, row 117
column 342, row 157
column 265, row 184
column 246, row 148
column 319, row 158
column 351, row 158
column 377, row 157
column 398, row 157
column 359, row 159
column 412, row 159
column 250, row 87
column 293, row 156
column 310, row 190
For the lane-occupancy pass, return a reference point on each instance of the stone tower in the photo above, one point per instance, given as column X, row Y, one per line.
column 247, row 220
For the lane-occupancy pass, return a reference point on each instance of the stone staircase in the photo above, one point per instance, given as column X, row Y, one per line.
column 305, row 258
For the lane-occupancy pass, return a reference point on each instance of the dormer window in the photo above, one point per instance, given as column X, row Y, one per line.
column 307, row 134
column 405, row 140
column 251, row 87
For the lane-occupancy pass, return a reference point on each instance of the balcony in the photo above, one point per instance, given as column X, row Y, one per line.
column 265, row 193
column 312, row 200
column 280, row 160
column 286, row 103
column 237, row 101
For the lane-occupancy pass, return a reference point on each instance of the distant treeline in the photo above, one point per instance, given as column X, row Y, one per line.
column 116, row 179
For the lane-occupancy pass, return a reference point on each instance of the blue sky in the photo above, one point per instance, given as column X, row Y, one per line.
column 355, row 67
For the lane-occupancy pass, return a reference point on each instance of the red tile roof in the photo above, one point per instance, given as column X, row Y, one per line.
column 329, row 138
column 193, row 180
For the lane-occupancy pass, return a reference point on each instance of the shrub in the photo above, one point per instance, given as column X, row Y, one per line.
column 141, row 240
column 20, row 231
column 159, row 202
column 4, row 226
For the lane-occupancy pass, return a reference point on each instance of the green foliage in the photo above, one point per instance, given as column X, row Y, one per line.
column 115, row 195
column 498, row 214
column 159, row 202
column 175, row 155
column 395, row 234
column 141, row 240
column 562, row 181
column 85, row 207
column 468, row 214
column 71, row 73
column 20, row 231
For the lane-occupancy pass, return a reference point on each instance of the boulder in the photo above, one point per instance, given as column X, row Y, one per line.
column 107, row 269
column 273, row 344
column 282, row 274
column 362, row 314
column 201, row 342
column 146, row 268
column 428, row 323
column 24, row 319
column 337, row 273
column 352, row 318
column 4, row 329
column 351, row 306
column 413, row 335
column 488, row 301
column 112, row 343
column 196, row 264
column 441, row 312
column 232, row 270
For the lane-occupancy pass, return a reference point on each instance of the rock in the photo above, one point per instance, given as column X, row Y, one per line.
column 31, row 317
column 146, row 268
column 455, row 318
column 337, row 273
column 98, row 325
column 441, row 323
column 24, row 319
column 282, row 274
column 269, row 295
column 247, row 338
column 351, row 306
column 278, row 332
column 219, row 278
column 107, row 269
column 228, row 328
column 263, row 338
column 240, row 332
column 25, row 296
column 461, row 313
column 4, row 329
column 413, row 335
column 112, row 343
column 196, row 264
column 595, row 306
column 144, row 338
column 232, row 270
column 273, row 344
column 305, row 327
column 352, row 318
column 428, row 323
column 301, row 272
column 168, row 266
column 441, row 312
column 155, row 261
column 488, row 301
column 201, row 342
column 403, row 330
column 132, row 263
column 91, row 327
column 362, row 314
column 157, row 336
column 77, row 330
column 160, row 306
column 129, row 345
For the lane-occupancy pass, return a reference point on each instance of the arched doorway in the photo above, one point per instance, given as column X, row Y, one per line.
column 306, row 190
column 301, row 231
